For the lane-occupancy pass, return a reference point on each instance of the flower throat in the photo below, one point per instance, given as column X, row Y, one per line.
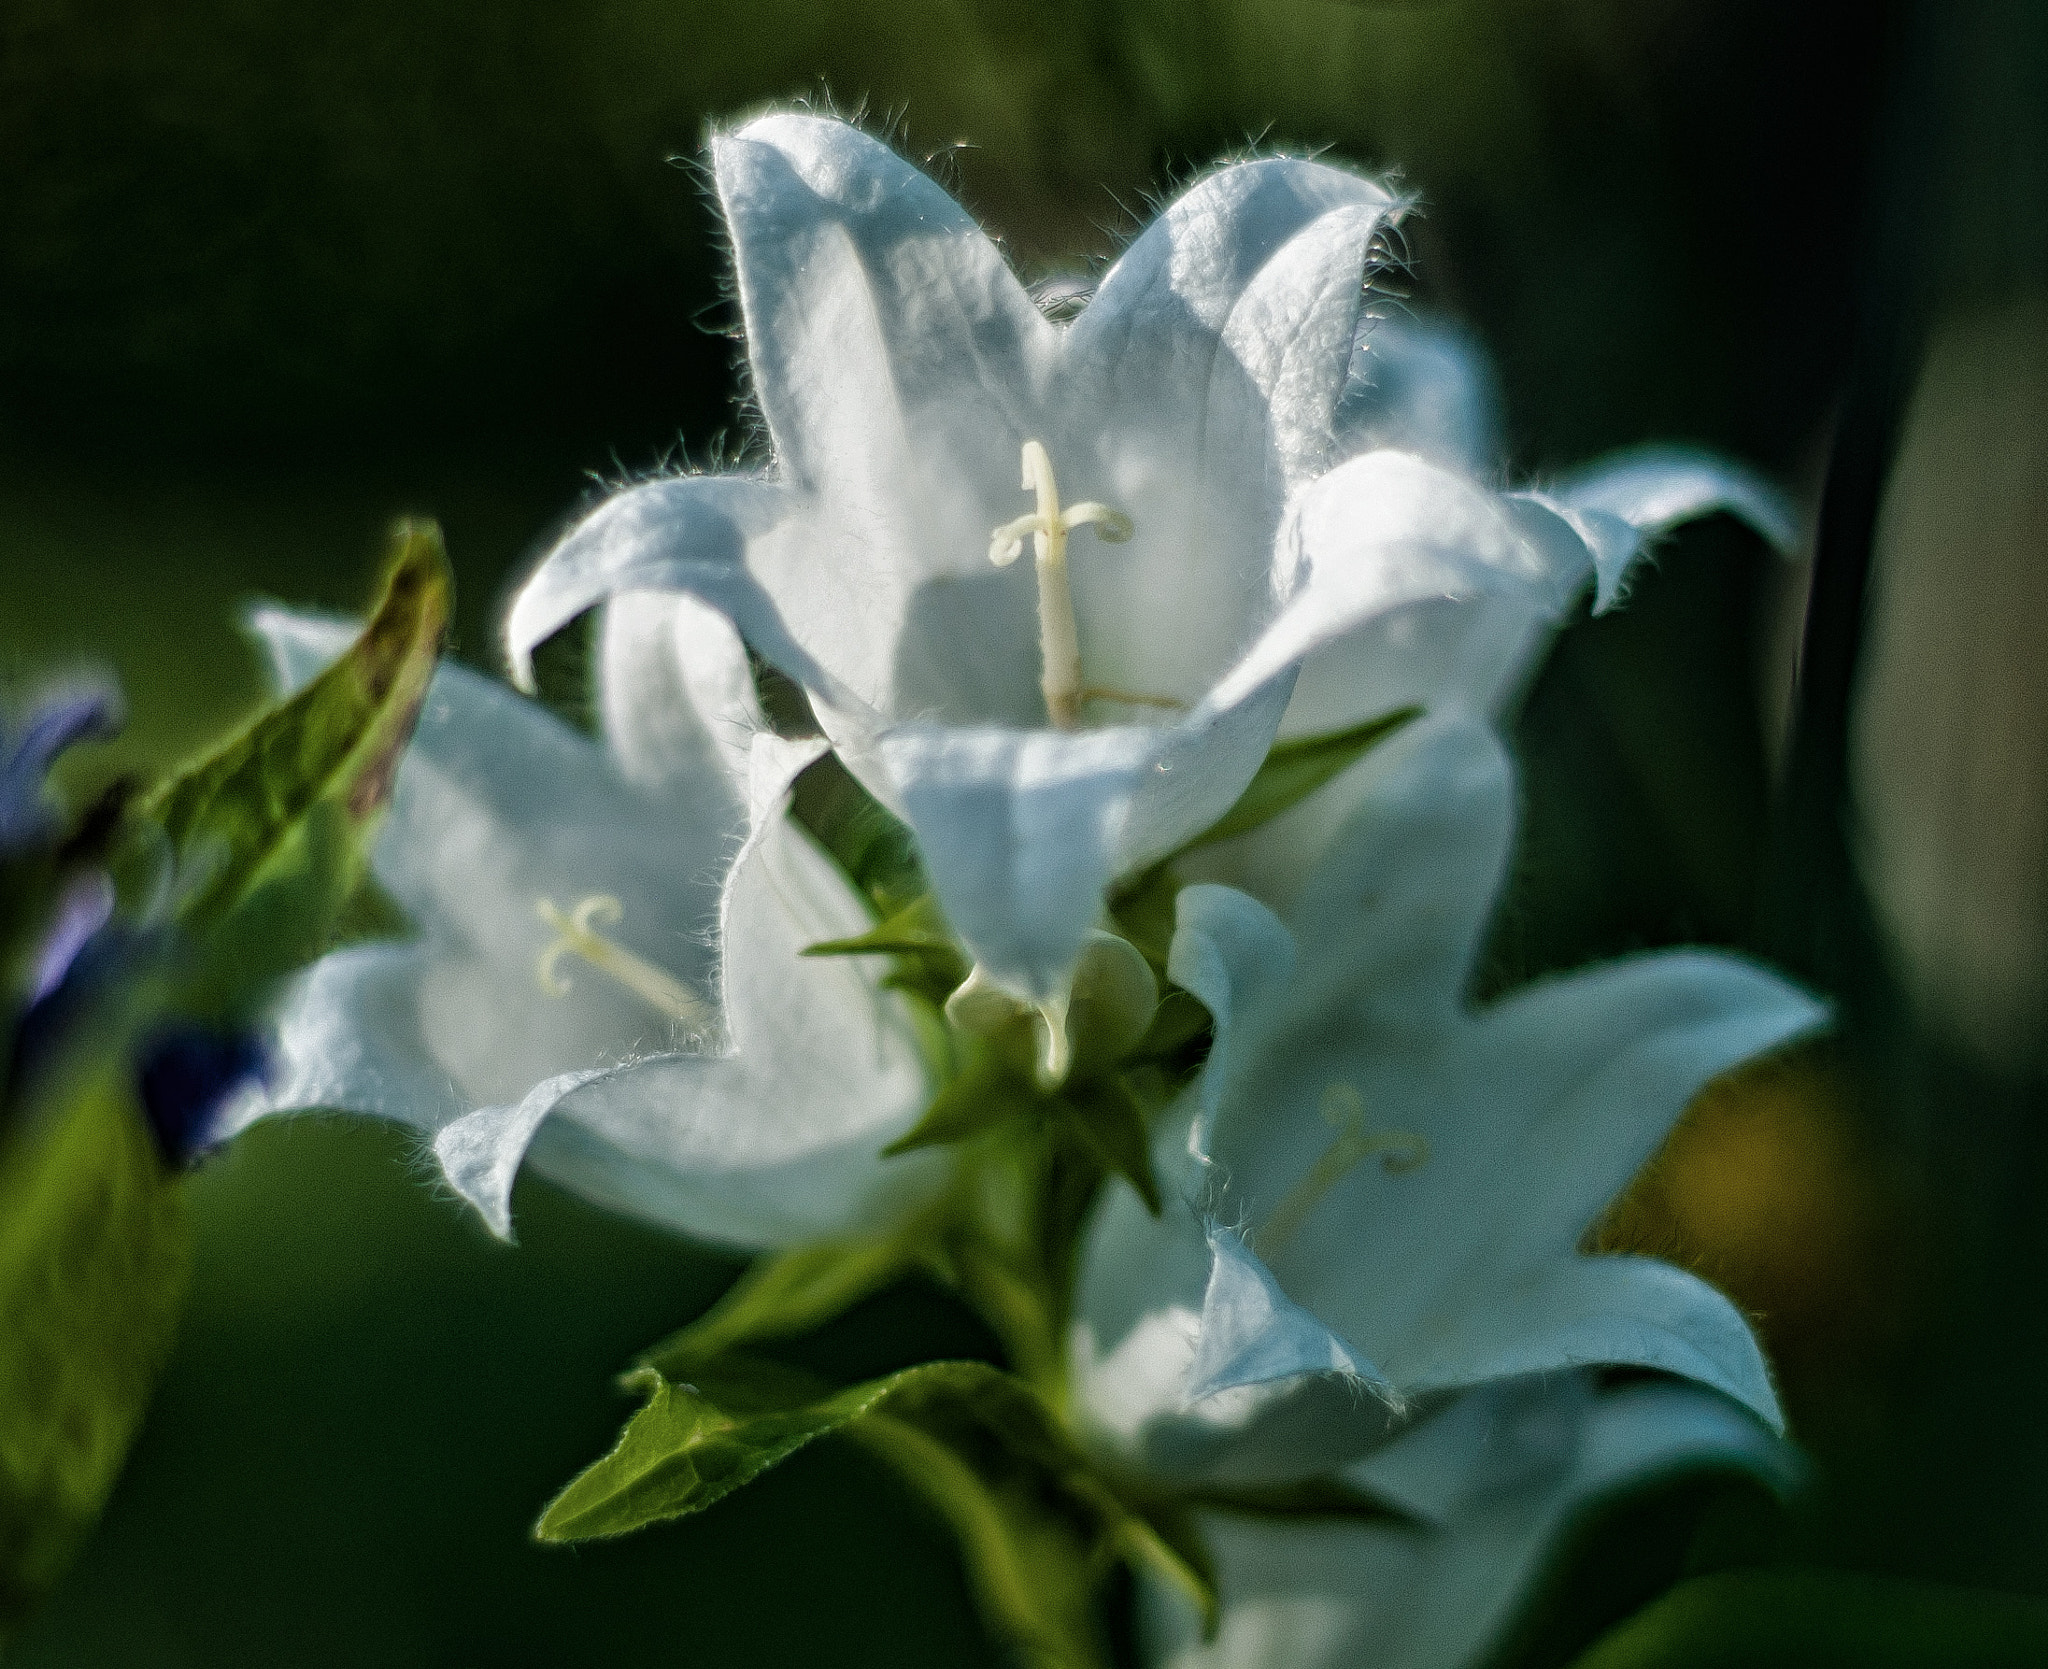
column 1059, row 643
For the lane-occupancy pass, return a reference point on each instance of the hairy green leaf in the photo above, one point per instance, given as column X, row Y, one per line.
column 1296, row 769
column 266, row 840
column 1035, row 1517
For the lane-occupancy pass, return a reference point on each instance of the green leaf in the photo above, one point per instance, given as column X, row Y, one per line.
column 1143, row 911
column 93, row 1261
column 1809, row 1619
column 1035, row 1518
column 266, row 840
column 682, row 1452
column 1294, row 770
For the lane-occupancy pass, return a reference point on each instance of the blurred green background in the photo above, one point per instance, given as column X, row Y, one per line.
column 270, row 276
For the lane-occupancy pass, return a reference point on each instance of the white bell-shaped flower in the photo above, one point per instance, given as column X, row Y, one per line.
column 1382, row 1193
column 606, row 973
column 1048, row 726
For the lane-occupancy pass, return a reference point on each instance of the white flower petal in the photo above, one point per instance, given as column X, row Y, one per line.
column 1391, row 920
column 1020, row 831
column 1197, row 388
column 876, row 309
column 676, row 691
column 1608, row 1058
column 1381, row 533
column 1591, row 1312
column 1252, row 1333
column 480, row 1152
column 900, row 367
column 703, row 534
column 778, row 1140
column 1481, row 1146
column 1625, row 500
column 1233, row 953
column 498, row 806
column 1162, row 313
column 1656, row 487
column 1469, row 656
column 349, row 1038
column 1333, row 1595
column 1423, row 386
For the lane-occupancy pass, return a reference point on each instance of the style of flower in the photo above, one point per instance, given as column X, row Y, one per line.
column 1374, row 1256
column 1046, row 734
column 563, row 994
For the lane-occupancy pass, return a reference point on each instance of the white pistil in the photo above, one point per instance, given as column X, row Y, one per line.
column 1343, row 1109
column 1059, row 644
column 578, row 936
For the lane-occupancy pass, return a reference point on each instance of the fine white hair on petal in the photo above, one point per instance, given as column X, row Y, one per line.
column 1649, row 490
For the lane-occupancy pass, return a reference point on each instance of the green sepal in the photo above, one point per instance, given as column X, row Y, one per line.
column 1036, row 1480
column 1296, row 769
column 918, row 929
column 1143, row 912
column 266, row 840
column 1030, row 1573
column 1181, row 1023
column 94, row 1254
column 985, row 1092
column 1107, row 1120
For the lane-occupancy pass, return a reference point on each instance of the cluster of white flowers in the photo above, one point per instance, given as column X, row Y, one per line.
column 1256, row 513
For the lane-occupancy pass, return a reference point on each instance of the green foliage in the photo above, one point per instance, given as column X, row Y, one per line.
column 1035, row 1518
column 1809, row 1619
column 264, row 843
column 1294, row 770
column 93, row 1257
